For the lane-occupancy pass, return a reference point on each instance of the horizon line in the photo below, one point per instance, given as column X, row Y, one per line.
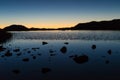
column 45, row 27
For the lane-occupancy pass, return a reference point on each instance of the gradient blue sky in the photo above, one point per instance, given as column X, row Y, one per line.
column 56, row 13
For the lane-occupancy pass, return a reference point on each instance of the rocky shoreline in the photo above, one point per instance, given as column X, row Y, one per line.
column 4, row 36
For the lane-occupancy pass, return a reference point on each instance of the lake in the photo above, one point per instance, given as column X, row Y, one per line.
column 61, row 55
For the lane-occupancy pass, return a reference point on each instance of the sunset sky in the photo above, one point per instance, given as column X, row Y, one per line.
column 56, row 13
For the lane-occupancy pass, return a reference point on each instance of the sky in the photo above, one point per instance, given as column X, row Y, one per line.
column 56, row 13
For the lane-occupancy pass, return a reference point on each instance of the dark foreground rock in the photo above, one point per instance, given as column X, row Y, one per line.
column 109, row 51
column 8, row 53
column 4, row 36
column 25, row 59
column 16, row 71
column 2, row 48
column 66, row 43
column 94, row 46
column 63, row 49
column 81, row 59
column 44, row 43
column 16, row 50
column 45, row 70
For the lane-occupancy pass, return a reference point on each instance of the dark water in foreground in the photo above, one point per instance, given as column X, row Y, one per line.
column 61, row 55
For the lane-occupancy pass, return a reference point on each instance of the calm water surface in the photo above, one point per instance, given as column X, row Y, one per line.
column 56, row 55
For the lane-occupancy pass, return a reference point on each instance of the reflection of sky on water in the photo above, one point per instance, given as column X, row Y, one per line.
column 67, row 35
column 100, row 65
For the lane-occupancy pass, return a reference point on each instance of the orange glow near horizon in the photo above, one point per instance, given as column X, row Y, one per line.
column 41, row 25
column 48, row 24
column 52, row 24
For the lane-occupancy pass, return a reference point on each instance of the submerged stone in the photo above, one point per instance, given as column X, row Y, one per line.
column 2, row 48
column 45, row 70
column 109, row 51
column 25, row 59
column 29, row 52
column 39, row 54
column 2, row 56
column 16, row 71
column 16, row 50
column 35, row 48
column 18, row 54
column 52, row 54
column 107, row 61
column 10, row 45
column 71, row 56
column 51, row 51
column 8, row 54
column 103, row 56
column 34, row 57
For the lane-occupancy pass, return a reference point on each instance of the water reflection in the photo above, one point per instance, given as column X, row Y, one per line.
column 67, row 35
column 59, row 59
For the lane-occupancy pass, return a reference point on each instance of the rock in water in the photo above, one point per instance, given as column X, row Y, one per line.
column 109, row 51
column 19, row 54
column 44, row 43
column 8, row 54
column 93, row 46
column 16, row 50
column 16, row 71
column 34, row 57
column 63, row 49
column 52, row 54
column 107, row 61
column 2, row 48
column 81, row 59
column 45, row 70
column 25, row 59
column 66, row 43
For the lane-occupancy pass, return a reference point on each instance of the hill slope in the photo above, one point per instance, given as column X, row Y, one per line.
column 102, row 25
column 16, row 28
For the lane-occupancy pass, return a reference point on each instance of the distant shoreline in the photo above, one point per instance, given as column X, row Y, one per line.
column 94, row 25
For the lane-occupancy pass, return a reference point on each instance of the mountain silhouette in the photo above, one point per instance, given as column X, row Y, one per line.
column 102, row 25
column 16, row 28
column 93, row 25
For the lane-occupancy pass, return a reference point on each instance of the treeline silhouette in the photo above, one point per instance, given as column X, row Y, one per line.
column 94, row 25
